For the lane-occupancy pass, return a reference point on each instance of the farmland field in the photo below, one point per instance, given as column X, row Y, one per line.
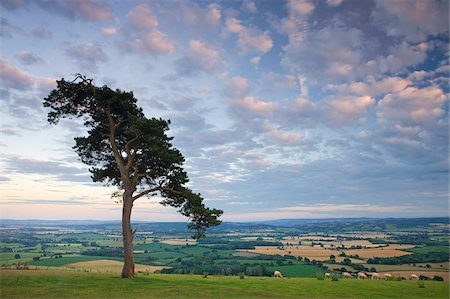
column 428, row 249
column 111, row 266
column 376, row 252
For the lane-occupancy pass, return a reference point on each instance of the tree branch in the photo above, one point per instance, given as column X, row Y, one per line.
column 115, row 149
column 146, row 192
column 129, row 154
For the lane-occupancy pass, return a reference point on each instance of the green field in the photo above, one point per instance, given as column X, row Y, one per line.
column 428, row 249
column 72, row 284
column 297, row 270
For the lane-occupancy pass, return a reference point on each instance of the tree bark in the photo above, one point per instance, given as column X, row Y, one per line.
column 128, row 265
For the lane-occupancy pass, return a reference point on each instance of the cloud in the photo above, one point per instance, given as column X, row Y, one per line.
column 109, row 31
column 405, row 18
column 7, row 29
column 346, row 109
column 237, row 87
column 87, row 55
column 142, row 18
column 60, row 170
column 86, row 10
column 256, row 106
column 414, row 106
column 41, row 33
column 92, row 10
column 281, row 80
column 200, row 57
column 334, row 3
column 282, row 137
column 375, row 88
column 332, row 208
column 250, row 40
column 4, row 179
column 144, row 37
column 12, row 77
column 300, row 7
column 249, row 6
column 200, row 18
column 329, row 54
column 28, row 58
column 401, row 57
column 13, row 4
column 253, row 40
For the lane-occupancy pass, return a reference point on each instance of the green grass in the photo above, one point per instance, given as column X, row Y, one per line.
column 428, row 249
column 72, row 284
column 297, row 270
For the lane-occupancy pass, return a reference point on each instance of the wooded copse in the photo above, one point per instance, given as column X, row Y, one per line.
column 128, row 150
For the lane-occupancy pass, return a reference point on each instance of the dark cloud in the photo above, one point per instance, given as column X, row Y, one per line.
column 13, row 4
column 28, row 58
column 41, row 33
column 7, row 30
column 74, row 201
column 60, row 170
column 87, row 55
column 86, row 10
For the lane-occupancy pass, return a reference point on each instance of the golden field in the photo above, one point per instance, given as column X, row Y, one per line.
column 111, row 266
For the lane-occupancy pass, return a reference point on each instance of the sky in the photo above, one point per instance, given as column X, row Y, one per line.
column 282, row 109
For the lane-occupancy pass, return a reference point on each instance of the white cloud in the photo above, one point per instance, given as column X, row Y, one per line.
column 300, row 7
column 255, row 60
column 402, row 56
column 346, row 109
column 109, row 31
column 256, row 106
column 233, row 25
column 200, row 56
column 282, row 137
column 250, row 39
column 334, row 3
column 253, row 40
column 413, row 106
column 374, row 88
column 237, row 87
column 407, row 18
column 146, row 38
column 142, row 18
column 200, row 18
column 331, row 53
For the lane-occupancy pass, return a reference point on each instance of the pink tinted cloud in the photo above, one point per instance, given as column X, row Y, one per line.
column 145, row 37
column 12, row 77
column 92, row 10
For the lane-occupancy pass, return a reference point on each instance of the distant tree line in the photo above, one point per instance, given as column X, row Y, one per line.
column 430, row 257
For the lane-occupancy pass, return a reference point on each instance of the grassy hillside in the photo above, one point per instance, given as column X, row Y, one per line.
column 71, row 284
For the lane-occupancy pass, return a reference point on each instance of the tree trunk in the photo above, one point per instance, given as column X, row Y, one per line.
column 128, row 266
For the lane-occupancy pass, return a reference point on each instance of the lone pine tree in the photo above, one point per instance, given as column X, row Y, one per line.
column 128, row 150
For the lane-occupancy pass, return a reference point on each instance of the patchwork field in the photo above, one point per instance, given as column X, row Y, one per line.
column 376, row 252
column 111, row 266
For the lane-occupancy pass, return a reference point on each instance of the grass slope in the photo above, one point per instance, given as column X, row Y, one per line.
column 71, row 284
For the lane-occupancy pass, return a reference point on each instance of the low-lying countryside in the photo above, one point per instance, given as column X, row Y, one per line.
column 400, row 257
